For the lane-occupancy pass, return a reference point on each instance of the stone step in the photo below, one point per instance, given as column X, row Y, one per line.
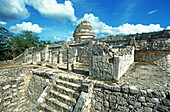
column 66, row 91
column 68, row 84
column 63, row 98
column 58, row 105
column 70, row 79
column 45, row 108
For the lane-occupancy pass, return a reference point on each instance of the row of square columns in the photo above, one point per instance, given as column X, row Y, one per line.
column 71, row 58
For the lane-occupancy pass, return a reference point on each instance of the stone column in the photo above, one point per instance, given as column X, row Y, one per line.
column 30, row 55
column 54, row 58
column 60, row 57
column 50, row 57
column 34, row 57
column 38, row 55
column 74, row 55
column 116, row 67
column 46, row 51
column 43, row 63
column 69, row 59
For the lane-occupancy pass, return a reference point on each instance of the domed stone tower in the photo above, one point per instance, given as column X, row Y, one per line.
column 83, row 31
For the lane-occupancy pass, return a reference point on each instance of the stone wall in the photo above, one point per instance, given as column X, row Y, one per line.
column 28, row 55
column 144, row 41
column 12, row 95
column 161, row 58
column 37, row 84
column 12, row 89
column 108, row 62
column 123, row 58
column 83, row 56
column 128, row 98
column 71, row 57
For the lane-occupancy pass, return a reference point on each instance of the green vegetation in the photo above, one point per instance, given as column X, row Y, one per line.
column 12, row 45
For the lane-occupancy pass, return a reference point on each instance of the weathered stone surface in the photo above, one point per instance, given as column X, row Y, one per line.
column 133, row 89
column 106, row 103
column 142, row 99
column 125, row 89
column 147, row 109
column 166, row 102
column 121, row 101
column 113, row 98
column 153, row 100
column 84, row 29
column 98, row 106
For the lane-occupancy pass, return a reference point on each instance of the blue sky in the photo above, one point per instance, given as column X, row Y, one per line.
column 56, row 20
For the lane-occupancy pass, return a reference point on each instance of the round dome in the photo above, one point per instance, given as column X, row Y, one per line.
column 83, row 30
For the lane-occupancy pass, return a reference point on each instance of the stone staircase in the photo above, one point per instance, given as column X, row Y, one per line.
column 62, row 96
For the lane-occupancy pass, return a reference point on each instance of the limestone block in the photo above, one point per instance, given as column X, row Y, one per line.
column 106, row 74
column 133, row 89
column 125, row 89
column 98, row 106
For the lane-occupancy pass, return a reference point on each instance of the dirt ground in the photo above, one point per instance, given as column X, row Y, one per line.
column 146, row 76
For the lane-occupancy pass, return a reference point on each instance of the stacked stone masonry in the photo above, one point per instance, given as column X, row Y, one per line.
column 128, row 99
column 108, row 62
column 36, row 86
column 13, row 90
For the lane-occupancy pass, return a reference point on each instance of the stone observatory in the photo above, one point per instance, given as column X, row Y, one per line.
column 83, row 31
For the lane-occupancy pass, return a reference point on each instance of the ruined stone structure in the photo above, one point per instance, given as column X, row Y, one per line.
column 49, row 88
column 108, row 62
column 83, row 31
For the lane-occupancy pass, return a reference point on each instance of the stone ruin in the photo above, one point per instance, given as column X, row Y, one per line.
column 83, row 31
column 50, row 89
column 108, row 62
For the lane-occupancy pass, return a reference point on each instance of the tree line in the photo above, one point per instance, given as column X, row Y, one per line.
column 12, row 45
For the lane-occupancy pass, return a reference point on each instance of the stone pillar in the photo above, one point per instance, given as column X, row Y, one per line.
column 74, row 60
column 69, row 59
column 50, row 57
column 54, row 58
column 77, row 58
column 60, row 60
column 30, row 55
column 38, row 55
column 74, row 56
column 34, row 57
column 46, row 50
column 116, row 67
column 43, row 63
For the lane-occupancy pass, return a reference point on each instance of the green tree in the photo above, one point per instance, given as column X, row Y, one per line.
column 48, row 42
column 30, row 37
column 4, row 48
column 18, row 43
column 12, row 45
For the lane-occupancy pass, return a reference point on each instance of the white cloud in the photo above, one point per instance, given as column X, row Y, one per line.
column 2, row 23
column 57, row 38
column 153, row 11
column 168, row 27
column 70, row 38
column 18, row 28
column 139, row 28
column 102, row 29
column 13, row 10
column 53, row 10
